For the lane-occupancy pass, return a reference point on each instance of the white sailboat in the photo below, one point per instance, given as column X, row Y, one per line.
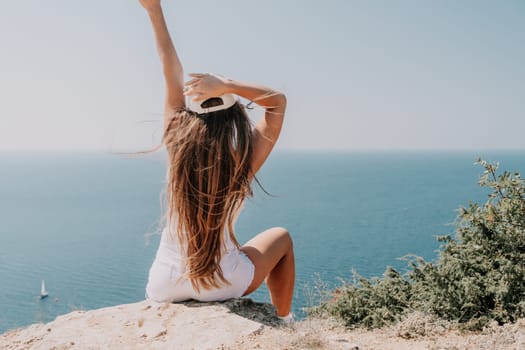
column 43, row 291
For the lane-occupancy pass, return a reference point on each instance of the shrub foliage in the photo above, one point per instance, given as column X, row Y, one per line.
column 479, row 274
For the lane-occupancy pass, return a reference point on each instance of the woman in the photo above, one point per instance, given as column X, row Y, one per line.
column 213, row 156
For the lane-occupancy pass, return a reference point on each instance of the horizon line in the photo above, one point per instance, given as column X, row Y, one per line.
column 276, row 150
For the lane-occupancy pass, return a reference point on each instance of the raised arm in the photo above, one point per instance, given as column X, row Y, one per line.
column 172, row 68
column 267, row 130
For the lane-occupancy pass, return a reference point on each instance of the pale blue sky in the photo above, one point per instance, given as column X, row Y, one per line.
column 358, row 74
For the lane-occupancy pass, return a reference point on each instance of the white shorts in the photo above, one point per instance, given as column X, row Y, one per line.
column 166, row 281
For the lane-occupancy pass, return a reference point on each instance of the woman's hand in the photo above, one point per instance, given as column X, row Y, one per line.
column 150, row 4
column 205, row 86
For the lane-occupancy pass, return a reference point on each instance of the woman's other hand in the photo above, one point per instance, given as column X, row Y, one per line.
column 204, row 86
column 150, row 4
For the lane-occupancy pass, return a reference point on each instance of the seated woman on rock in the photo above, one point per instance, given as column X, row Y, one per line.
column 213, row 156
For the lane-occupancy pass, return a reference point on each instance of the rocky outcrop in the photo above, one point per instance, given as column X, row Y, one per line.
column 147, row 325
column 241, row 324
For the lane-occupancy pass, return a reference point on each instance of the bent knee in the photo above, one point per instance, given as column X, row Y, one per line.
column 285, row 236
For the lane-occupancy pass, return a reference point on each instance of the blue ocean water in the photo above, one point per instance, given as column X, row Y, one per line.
column 86, row 222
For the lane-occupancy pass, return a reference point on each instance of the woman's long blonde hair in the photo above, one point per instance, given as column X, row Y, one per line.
column 209, row 170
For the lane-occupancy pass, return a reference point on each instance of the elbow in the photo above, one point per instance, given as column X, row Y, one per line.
column 281, row 99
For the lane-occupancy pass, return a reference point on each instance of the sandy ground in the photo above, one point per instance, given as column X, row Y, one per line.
column 238, row 325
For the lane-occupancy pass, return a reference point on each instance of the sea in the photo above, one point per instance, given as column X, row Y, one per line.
column 88, row 223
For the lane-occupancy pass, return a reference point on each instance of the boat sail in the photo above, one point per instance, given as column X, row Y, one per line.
column 43, row 291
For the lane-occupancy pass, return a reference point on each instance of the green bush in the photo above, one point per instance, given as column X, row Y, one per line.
column 479, row 274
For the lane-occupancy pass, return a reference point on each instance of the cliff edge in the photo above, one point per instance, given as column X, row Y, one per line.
column 240, row 324
column 147, row 325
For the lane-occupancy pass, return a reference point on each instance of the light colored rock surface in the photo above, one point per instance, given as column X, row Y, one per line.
column 240, row 325
column 143, row 325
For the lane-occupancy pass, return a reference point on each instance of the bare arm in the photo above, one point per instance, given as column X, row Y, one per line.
column 172, row 68
column 267, row 130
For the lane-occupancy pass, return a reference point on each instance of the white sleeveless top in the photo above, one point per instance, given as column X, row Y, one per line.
column 171, row 252
column 170, row 240
column 167, row 280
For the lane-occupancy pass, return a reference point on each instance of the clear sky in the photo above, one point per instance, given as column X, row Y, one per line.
column 358, row 74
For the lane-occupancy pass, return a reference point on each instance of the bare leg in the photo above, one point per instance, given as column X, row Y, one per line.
column 272, row 254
